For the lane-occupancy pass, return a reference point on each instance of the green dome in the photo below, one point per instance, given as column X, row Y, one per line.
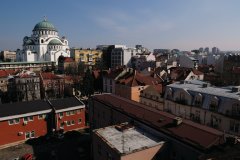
column 54, row 42
column 44, row 25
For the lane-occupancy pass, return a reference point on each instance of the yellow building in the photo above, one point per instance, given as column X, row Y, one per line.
column 87, row 56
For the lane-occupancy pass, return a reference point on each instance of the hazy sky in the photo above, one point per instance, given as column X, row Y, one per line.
column 182, row 24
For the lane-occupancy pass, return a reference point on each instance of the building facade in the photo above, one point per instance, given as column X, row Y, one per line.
column 23, row 120
column 52, row 86
column 69, row 114
column 8, row 56
column 43, row 45
column 86, row 56
column 215, row 107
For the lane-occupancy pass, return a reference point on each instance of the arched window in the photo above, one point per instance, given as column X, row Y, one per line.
column 41, row 40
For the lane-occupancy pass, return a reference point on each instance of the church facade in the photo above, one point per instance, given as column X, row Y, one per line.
column 43, row 45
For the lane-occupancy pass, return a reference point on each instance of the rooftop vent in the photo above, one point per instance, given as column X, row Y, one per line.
column 182, row 82
column 235, row 89
column 177, row 121
column 124, row 126
column 204, row 85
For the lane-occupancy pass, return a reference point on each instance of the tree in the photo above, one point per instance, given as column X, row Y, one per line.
column 88, row 83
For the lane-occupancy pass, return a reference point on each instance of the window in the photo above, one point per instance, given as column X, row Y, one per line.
column 41, row 116
column 32, row 134
column 25, row 119
column 198, row 100
column 11, row 122
column 68, row 123
column 30, row 118
column 73, row 122
column 67, row 113
column 17, row 120
column 72, row 112
column 61, row 114
column 78, row 111
column 61, row 124
column 79, row 121
column 234, row 126
column 214, row 104
column 27, row 135
column 235, row 110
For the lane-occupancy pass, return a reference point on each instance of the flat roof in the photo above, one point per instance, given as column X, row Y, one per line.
column 197, row 87
column 22, row 108
column 129, row 139
column 64, row 103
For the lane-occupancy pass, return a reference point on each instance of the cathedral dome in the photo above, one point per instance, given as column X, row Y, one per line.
column 44, row 25
column 54, row 42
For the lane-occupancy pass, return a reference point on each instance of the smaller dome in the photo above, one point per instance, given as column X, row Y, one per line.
column 29, row 42
column 54, row 42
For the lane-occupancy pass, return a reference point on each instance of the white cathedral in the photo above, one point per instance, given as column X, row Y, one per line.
column 43, row 45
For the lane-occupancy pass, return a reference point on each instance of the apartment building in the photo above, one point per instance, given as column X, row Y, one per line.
column 212, row 106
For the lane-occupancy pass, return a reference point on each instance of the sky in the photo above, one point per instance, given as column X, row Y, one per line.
column 181, row 24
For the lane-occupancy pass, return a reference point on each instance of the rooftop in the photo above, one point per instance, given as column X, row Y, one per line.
column 127, row 139
column 197, row 87
column 49, row 75
column 64, row 103
column 197, row 135
column 20, row 108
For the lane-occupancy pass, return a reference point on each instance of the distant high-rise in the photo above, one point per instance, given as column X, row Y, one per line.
column 215, row 50
column 201, row 49
column 206, row 50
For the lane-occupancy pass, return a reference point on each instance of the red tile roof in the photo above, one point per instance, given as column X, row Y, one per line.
column 195, row 134
column 197, row 72
column 49, row 75
column 68, row 59
column 3, row 74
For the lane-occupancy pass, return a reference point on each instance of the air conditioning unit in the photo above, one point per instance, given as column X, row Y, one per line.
column 177, row 121
column 25, row 123
column 20, row 133
column 65, row 122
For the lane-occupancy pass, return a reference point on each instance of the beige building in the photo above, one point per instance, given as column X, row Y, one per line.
column 152, row 97
column 125, row 142
column 86, row 56
column 215, row 107
column 8, row 56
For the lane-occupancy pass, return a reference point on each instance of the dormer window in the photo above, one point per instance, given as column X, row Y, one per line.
column 198, row 100
column 214, row 104
column 169, row 94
